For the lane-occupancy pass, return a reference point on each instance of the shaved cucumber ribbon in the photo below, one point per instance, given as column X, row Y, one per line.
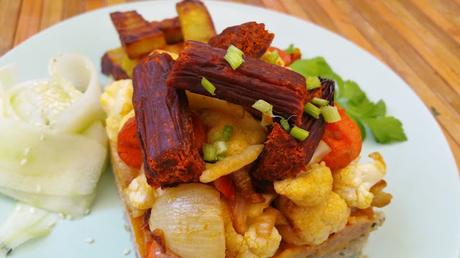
column 53, row 144
column 23, row 224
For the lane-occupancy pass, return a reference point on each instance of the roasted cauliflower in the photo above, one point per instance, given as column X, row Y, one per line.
column 309, row 188
column 353, row 183
column 252, row 244
column 116, row 100
column 313, row 225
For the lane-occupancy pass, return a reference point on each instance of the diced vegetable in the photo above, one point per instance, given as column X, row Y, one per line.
column 172, row 30
column 128, row 145
column 208, row 86
column 299, row 133
column 195, row 20
column 209, row 152
column 138, row 36
column 313, row 82
column 234, row 57
column 312, row 110
column 227, row 132
column 285, row 124
column 264, row 107
column 320, row 102
column 330, row 114
column 344, row 139
column 198, row 209
column 225, row 186
column 117, row 63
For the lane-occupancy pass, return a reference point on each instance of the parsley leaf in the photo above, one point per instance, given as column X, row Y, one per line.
column 316, row 66
column 385, row 129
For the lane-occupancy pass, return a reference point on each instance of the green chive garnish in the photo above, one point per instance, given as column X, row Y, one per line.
column 209, row 152
column 221, row 147
column 227, row 132
column 290, row 50
column 313, row 82
column 320, row 102
column 330, row 114
column 264, row 107
column 285, row 124
column 234, row 57
column 271, row 57
column 208, row 86
column 312, row 110
column 299, row 133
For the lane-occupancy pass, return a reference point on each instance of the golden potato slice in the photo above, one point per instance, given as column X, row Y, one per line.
column 195, row 21
column 117, row 63
column 138, row 36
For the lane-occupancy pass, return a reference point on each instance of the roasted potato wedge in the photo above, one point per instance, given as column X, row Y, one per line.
column 195, row 20
column 117, row 63
column 138, row 36
column 172, row 30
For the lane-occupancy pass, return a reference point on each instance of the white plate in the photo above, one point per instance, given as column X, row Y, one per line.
column 422, row 221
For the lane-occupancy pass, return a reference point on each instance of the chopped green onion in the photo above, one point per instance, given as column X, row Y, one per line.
column 299, row 133
column 208, row 86
column 220, row 157
column 312, row 110
column 264, row 107
column 209, row 152
column 290, row 50
column 285, row 124
column 221, row 147
column 313, row 82
column 320, row 102
column 234, row 57
column 227, row 132
column 234, row 49
column 271, row 56
column 330, row 114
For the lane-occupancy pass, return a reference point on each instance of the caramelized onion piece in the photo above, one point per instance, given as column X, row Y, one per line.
column 243, row 184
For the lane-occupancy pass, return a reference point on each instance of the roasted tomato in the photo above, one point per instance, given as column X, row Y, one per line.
column 129, row 147
column 344, row 139
column 225, row 186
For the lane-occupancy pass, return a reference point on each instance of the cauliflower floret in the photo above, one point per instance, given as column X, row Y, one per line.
column 309, row 188
column 251, row 244
column 313, row 225
column 353, row 183
column 139, row 194
column 116, row 100
column 255, row 245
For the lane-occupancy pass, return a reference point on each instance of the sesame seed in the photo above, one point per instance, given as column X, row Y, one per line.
column 23, row 162
column 127, row 251
column 42, row 137
column 26, row 151
column 90, row 240
column 32, row 210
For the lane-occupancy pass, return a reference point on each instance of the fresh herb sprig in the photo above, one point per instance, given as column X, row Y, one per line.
column 367, row 114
